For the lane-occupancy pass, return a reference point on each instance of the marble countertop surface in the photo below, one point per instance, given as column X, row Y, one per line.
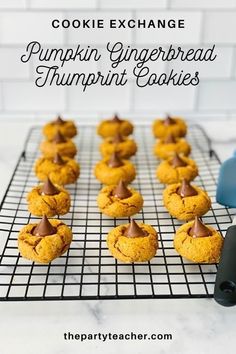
column 197, row 326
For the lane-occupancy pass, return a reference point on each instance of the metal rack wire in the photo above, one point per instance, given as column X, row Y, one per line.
column 87, row 270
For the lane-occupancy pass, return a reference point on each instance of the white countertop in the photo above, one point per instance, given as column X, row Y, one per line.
column 197, row 326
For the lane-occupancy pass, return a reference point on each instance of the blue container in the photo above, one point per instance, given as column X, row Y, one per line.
column 226, row 188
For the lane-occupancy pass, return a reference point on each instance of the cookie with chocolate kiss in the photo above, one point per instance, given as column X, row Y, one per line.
column 110, row 127
column 170, row 145
column 45, row 241
column 185, row 201
column 111, row 170
column 119, row 200
column 124, row 146
column 59, row 144
column 60, row 170
column 66, row 127
column 133, row 242
column 175, row 169
column 170, row 125
column 48, row 199
column 198, row 243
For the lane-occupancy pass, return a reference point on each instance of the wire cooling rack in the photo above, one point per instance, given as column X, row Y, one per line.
column 87, row 270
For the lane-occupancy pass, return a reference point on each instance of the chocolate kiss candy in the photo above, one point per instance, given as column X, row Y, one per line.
column 170, row 139
column 44, row 228
column 118, row 138
column 133, row 230
column 49, row 188
column 116, row 119
column 177, row 161
column 199, row 229
column 59, row 121
column 186, row 190
column 115, row 161
column 58, row 159
column 169, row 121
column 59, row 138
column 121, row 191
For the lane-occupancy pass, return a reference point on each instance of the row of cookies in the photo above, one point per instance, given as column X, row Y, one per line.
column 184, row 201
column 50, row 238
column 132, row 242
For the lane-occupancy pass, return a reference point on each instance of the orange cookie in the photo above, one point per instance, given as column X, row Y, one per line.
column 45, row 241
column 170, row 145
column 66, row 128
column 175, row 126
column 111, row 171
column 125, row 147
column 133, row 242
column 60, row 170
column 48, row 199
column 184, row 201
column 175, row 169
column 60, row 145
column 198, row 243
column 119, row 200
column 108, row 128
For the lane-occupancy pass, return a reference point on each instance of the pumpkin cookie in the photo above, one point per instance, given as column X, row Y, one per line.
column 166, row 147
column 133, row 242
column 60, row 170
column 48, row 199
column 59, row 144
column 108, row 128
column 175, row 126
column 184, row 201
column 45, row 241
column 198, row 243
column 123, row 146
column 119, row 201
column 66, row 128
column 175, row 169
column 111, row 171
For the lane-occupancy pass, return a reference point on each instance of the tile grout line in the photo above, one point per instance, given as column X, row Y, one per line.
column 131, row 83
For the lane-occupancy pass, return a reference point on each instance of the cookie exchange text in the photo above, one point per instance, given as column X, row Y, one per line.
column 119, row 23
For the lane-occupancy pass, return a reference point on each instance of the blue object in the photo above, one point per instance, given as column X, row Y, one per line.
column 226, row 188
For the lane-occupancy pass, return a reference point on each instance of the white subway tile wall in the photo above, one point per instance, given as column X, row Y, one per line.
column 133, row 4
column 62, row 4
column 99, row 36
column 13, row 4
column 218, row 95
column 11, row 66
column 98, row 98
column 23, row 96
column 193, row 21
column 166, row 98
column 220, row 27
column 207, row 22
column 203, row 4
